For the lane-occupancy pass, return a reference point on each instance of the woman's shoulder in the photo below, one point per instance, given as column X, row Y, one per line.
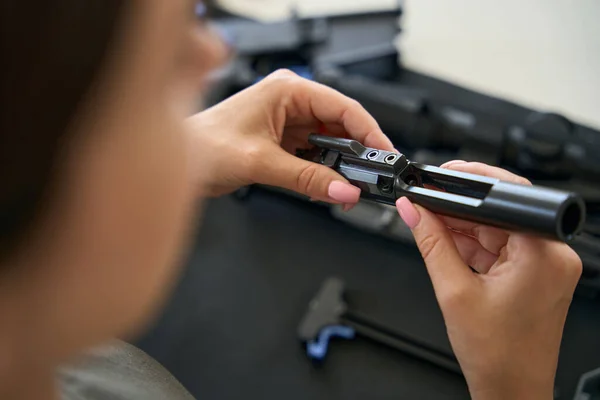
column 118, row 371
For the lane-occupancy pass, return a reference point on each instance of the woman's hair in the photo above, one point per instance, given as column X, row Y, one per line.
column 50, row 52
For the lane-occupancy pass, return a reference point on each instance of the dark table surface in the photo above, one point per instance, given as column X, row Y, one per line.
column 229, row 330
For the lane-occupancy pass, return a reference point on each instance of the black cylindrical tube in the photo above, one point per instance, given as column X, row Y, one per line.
column 543, row 211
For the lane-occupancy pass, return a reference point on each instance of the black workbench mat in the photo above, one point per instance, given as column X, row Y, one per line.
column 229, row 331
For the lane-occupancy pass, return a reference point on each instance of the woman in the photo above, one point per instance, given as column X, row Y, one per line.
column 103, row 171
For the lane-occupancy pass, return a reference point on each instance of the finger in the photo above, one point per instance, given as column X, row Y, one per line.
column 296, row 137
column 491, row 239
column 444, row 263
column 531, row 257
column 312, row 101
column 473, row 253
column 485, row 170
column 316, row 181
column 335, row 130
column 527, row 249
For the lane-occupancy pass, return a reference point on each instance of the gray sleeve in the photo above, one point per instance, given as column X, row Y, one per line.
column 119, row 371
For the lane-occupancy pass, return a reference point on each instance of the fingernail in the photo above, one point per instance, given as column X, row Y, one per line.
column 409, row 214
column 348, row 207
column 344, row 192
column 453, row 162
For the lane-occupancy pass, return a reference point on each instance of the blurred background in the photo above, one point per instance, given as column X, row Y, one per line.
column 510, row 83
column 542, row 54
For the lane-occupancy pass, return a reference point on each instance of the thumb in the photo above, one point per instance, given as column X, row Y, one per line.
column 308, row 178
column 445, row 266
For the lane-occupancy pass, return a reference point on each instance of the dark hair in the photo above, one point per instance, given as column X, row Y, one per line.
column 51, row 52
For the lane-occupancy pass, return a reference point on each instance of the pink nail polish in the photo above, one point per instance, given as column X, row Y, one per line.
column 451, row 163
column 409, row 214
column 343, row 192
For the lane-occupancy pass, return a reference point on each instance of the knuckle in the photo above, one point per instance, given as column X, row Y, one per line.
column 307, row 179
column 573, row 264
column 354, row 104
column 252, row 161
column 428, row 246
column 281, row 81
column 577, row 269
column 503, row 253
column 476, row 231
column 352, row 107
column 454, row 296
column 478, row 165
column 567, row 263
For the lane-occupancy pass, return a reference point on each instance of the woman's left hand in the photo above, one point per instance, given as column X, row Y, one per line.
column 252, row 138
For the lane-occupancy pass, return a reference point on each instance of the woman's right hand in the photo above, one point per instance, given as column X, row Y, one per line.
column 505, row 321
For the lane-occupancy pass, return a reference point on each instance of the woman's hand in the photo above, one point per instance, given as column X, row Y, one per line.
column 252, row 137
column 505, row 321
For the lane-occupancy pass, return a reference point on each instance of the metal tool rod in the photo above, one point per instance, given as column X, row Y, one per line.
column 402, row 342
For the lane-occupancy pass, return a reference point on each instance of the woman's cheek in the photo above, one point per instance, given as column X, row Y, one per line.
column 161, row 213
column 126, row 222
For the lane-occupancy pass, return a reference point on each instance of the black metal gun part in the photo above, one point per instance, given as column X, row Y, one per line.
column 385, row 177
column 430, row 120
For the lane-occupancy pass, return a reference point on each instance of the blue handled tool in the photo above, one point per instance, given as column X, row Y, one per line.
column 328, row 316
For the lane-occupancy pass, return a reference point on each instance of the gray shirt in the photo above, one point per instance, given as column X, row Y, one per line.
column 119, row 371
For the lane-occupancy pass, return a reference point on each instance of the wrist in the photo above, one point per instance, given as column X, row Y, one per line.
column 529, row 390
column 202, row 149
column 503, row 394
